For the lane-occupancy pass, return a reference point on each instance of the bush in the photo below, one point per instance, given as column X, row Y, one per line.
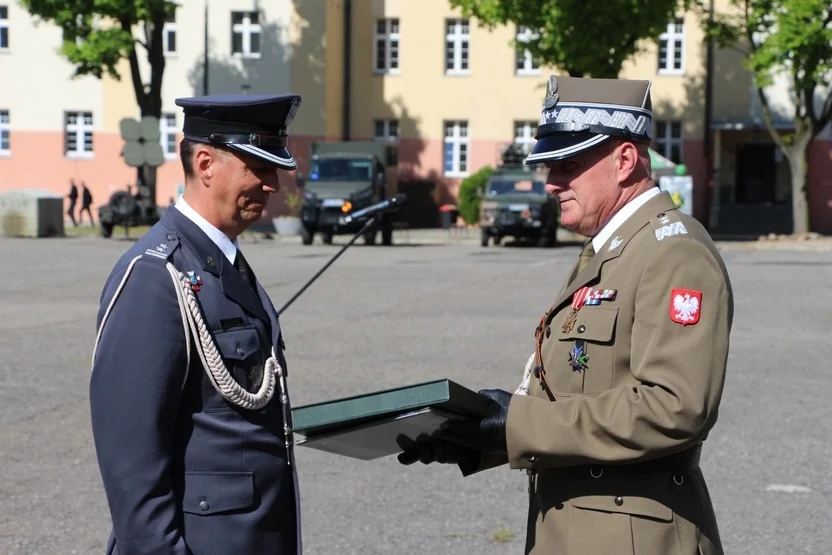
column 469, row 202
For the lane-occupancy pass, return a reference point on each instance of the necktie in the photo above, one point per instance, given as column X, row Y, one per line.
column 586, row 255
column 242, row 266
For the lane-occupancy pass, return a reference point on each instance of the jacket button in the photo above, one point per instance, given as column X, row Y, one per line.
column 581, row 328
column 204, row 506
column 532, row 459
column 619, row 501
column 240, row 351
column 548, row 331
column 170, row 236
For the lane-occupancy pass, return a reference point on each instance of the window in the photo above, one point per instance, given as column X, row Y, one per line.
column 386, row 130
column 5, row 133
column 4, row 27
column 456, row 148
column 245, row 34
column 167, row 131
column 672, row 48
column 457, row 40
column 169, row 35
column 526, row 64
column 78, row 134
column 524, row 135
column 669, row 140
column 387, row 46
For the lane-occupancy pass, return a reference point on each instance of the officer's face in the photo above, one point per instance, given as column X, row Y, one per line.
column 584, row 185
column 245, row 184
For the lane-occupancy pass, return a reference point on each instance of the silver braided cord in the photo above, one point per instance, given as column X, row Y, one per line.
column 193, row 323
column 215, row 368
column 523, row 388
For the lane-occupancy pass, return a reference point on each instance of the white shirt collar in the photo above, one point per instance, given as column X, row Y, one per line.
column 226, row 245
column 621, row 216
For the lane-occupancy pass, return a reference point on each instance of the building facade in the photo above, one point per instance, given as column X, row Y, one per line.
column 451, row 93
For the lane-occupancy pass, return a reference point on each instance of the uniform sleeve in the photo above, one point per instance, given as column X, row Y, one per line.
column 680, row 369
column 137, row 376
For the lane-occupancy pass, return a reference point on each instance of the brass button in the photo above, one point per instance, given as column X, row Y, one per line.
column 581, row 328
column 619, row 501
column 204, row 506
column 661, row 215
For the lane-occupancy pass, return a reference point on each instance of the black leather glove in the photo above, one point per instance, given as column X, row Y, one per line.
column 428, row 450
column 486, row 434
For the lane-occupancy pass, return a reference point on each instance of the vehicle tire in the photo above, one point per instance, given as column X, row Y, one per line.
column 484, row 238
column 327, row 237
column 106, row 230
column 306, row 235
column 370, row 238
column 497, row 239
column 548, row 238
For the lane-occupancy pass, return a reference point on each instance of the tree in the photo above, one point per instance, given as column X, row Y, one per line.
column 98, row 34
column 572, row 36
column 792, row 38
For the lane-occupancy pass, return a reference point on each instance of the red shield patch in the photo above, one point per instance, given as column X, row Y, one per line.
column 685, row 305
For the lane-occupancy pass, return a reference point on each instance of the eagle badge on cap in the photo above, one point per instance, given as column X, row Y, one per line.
column 292, row 112
column 551, row 92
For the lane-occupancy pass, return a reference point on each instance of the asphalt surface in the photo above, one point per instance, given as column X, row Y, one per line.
column 385, row 317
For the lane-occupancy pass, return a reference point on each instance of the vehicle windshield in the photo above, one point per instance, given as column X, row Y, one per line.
column 341, row 169
column 519, row 187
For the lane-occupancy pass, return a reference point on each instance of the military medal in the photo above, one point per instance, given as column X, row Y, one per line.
column 578, row 300
column 578, row 357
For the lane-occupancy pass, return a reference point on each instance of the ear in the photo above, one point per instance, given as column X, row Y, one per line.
column 205, row 162
column 626, row 161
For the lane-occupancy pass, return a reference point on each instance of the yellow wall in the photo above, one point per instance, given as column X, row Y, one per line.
column 491, row 97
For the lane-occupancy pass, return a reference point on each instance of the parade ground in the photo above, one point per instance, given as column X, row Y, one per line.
column 383, row 317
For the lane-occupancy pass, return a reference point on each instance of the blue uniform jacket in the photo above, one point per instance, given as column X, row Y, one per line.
column 186, row 472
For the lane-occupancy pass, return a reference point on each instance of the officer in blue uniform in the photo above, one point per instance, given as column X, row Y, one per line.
column 190, row 412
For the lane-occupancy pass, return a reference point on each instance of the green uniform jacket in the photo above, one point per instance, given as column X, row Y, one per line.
column 651, row 387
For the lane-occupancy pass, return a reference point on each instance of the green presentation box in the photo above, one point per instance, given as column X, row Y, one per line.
column 377, row 424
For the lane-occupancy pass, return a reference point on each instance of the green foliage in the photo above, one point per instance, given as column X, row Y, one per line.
column 293, row 201
column 469, row 199
column 582, row 40
column 793, row 36
column 99, row 33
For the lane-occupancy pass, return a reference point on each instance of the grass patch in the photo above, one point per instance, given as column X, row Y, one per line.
column 502, row 535
column 456, row 535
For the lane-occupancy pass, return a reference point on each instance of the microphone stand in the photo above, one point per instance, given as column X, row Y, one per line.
column 373, row 221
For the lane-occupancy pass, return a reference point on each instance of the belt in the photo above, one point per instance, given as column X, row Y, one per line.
column 678, row 463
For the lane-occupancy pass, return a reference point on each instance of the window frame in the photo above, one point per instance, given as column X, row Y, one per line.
column 524, row 34
column 5, row 129
column 459, row 42
column 80, row 131
column 525, row 141
column 461, row 146
column 4, row 24
column 389, row 38
column 665, row 142
column 246, row 29
column 386, row 126
column 670, row 37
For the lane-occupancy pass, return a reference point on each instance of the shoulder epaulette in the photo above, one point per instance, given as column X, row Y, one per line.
column 164, row 249
column 668, row 224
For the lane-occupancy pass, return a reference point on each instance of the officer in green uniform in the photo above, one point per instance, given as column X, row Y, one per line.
column 629, row 360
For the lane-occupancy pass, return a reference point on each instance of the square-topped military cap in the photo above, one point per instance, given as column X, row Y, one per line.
column 256, row 125
column 581, row 113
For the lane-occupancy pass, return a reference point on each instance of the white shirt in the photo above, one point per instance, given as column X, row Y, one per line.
column 621, row 216
column 226, row 245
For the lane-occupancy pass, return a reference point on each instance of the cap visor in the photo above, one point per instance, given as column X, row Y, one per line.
column 280, row 157
column 563, row 145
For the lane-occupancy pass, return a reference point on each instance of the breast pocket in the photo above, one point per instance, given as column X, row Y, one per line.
column 241, row 352
column 590, row 343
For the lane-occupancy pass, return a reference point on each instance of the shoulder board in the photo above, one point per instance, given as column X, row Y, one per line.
column 163, row 249
column 667, row 224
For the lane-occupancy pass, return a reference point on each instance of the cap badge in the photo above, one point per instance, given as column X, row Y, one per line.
column 292, row 112
column 551, row 92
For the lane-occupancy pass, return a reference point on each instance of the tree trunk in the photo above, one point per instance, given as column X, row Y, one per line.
column 797, row 155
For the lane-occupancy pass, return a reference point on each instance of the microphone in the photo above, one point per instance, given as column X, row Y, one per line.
column 383, row 206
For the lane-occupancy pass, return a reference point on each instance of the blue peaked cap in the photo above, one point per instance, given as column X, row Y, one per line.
column 256, row 125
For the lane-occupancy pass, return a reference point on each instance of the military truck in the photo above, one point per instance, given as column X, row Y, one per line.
column 128, row 210
column 345, row 177
column 515, row 204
